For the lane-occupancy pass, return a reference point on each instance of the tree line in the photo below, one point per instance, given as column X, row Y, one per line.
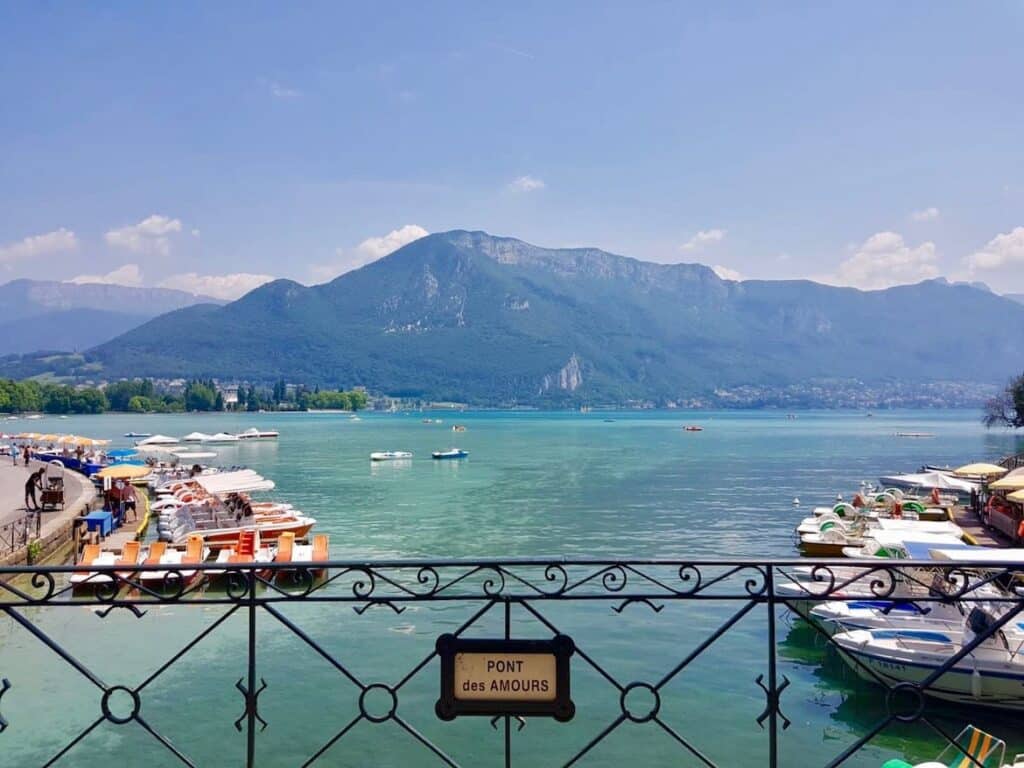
column 143, row 396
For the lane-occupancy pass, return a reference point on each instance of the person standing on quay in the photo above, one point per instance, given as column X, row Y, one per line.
column 35, row 480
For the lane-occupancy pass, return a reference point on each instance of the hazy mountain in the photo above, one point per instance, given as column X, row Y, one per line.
column 48, row 315
column 465, row 315
column 1018, row 297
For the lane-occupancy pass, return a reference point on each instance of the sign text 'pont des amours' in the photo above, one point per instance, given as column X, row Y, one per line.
column 505, row 677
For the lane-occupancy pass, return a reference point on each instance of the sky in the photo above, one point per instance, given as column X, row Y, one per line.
column 213, row 146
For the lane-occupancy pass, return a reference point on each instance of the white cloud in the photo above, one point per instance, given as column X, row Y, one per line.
column 1001, row 250
column 39, row 245
column 128, row 274
column 217, row 286
column 726, row 273
column 280, row 91
column 526, row 184
column 925, row 214
column 371, row 249
column 148, row 236
column 703, row 238
column 884, row 260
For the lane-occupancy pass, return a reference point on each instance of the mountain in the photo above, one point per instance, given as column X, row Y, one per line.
column 47, row 315
column 468, row 316
column 1018, row 297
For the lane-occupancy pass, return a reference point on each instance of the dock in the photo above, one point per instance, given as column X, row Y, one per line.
column 129, row 531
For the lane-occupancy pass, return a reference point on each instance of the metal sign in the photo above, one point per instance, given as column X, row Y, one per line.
column 505, row 677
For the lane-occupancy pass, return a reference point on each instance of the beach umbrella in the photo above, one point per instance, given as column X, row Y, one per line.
column 1017, row 496
column 49, row 438
column 980, row 469
column 28, row 436
column 1014, row 482
column 123, row 471
column 88, row 442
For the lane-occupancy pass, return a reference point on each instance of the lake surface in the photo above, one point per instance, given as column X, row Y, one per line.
column 534, row 485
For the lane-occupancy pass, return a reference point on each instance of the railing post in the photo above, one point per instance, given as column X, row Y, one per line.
column 773, row 746
column 250, row 696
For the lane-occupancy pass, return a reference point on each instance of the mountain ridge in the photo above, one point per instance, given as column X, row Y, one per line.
column 467, row 316
column 47, row 314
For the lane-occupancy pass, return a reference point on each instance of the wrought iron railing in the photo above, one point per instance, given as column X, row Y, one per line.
column 17, row 533
column 512, row 593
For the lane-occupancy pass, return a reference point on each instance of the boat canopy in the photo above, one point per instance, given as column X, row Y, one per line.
column 932, row 479
column 982, row 554
column 240, row 481
column 905, row 538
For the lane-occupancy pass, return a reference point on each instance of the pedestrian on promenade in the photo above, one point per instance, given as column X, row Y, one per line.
column 35, row 480
column 26, row 455
column 14, row 454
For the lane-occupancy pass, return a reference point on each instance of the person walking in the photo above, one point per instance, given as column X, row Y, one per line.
column 35, row 480
column 14, row 454
column 26, row 455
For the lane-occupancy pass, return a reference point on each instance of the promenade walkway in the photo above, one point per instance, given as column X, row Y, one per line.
column 56, row 525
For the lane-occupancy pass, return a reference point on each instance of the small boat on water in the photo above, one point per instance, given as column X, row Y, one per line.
column 693, row 428
column 925, row 482
column 158, row 440
column 992, row 675
column 221, row 437
column 247, row 547
column 390, row 455
column 258, row 434
column 458, row 428
column 176, row 561
column 196, row 437
column 306, row 557
column 451, row 453
column 138, row 434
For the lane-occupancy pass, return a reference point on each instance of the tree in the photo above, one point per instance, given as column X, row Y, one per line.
column 1007, row 408
column 199, row 396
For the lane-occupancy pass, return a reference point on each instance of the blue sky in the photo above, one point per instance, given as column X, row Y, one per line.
column 203, row 145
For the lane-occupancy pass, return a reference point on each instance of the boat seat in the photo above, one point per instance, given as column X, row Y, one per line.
column 321, row 548
column 156, row 551
column 129, row 554
column 193, row 549
column 285, row 544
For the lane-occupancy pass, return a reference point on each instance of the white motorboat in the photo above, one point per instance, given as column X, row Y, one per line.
column 390, row 455
column 138, row 434
column 158, row 440
column 846, row 615
column 221, row 437
column 992, row 675
column 257, row 434
column 196, row 437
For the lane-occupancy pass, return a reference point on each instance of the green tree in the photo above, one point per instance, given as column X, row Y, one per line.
column 139, row 404
column 1007, row 408
column 199, row 396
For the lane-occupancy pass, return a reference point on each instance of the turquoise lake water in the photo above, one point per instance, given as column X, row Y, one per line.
column 535, row 485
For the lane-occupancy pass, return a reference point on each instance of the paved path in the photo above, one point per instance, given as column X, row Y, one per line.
column 12, row 492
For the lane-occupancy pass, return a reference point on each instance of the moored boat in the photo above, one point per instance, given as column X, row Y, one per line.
column 390, row 455
column 451, row 453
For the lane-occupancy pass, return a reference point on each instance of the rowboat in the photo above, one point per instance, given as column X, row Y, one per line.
column 451, row 453
column 390, row 455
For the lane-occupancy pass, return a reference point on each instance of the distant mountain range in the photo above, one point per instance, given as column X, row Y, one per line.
column 1018, row 297
column 48, row 315
column 471, row 317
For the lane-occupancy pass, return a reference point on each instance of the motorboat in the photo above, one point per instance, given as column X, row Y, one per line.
column 693, row 428
column 258, row 434
column 390, row 455
column 846, row 615
column 138, row 434
column 992, row 675
column 158, row 440
column 221, row 437
column 196, row 437
column 458, row 428
column 451, row 453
